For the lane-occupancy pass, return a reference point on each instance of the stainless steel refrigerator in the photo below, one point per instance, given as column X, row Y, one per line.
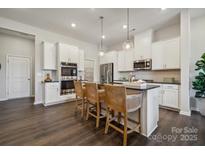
column 106, row 73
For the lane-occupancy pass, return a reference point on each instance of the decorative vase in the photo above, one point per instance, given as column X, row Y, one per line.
column 201, row 103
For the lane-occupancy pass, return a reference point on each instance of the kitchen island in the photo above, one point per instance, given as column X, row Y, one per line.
column 149, row 110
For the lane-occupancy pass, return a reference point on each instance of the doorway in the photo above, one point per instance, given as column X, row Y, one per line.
column 18, row 77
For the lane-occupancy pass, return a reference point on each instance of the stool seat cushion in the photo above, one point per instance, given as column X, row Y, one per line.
column 133, row 102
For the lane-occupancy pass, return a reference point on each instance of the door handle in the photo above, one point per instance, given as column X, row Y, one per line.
column 29, row 79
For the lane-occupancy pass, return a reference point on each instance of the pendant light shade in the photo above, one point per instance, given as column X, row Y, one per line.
column 102, row 36
column 128, row 44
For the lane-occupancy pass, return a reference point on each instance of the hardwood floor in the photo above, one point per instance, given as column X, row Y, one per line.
column 22, row 123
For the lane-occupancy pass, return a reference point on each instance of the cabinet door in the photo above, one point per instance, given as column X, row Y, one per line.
column 52, row 92
column 128, row 60
column 170, row 98
column 81, row 60
column 121, row 61
column 49, row 56
column 73, row 54
column 157, row 56
column 172, row 56
column 143, row 43
column 63, row 52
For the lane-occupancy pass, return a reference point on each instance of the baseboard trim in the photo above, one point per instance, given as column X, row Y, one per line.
column 37, row 102
column 3, row 99
column 186, row 113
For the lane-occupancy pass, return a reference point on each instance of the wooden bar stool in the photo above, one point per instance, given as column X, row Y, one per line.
column 80, row 97
column 117, row 101
column 94, row 97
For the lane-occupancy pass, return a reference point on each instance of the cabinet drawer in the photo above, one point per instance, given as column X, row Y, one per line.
column 52, row 85
column 170, row 86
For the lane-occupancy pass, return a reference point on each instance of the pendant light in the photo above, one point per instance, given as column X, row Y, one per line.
column 102, row 36
column 128, row 44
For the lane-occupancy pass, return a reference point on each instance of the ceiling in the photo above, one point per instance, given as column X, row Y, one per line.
column 88, row 24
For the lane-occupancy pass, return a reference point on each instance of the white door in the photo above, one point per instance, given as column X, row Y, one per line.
column 19, row 77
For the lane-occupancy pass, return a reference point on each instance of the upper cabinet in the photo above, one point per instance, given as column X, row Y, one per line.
column 166, row 54
column 49, row 56
column 125, row 60
column 71, row 54
column 68, row 53
column 143, row 45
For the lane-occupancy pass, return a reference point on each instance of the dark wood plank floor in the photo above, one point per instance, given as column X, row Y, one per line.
column 22, row 123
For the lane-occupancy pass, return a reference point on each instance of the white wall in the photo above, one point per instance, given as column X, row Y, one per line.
column 42, row 35
column 197, row 49
column 14, row 45
column 166, row 33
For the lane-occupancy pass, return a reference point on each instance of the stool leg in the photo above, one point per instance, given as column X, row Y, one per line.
column 87, row 116
column 140, row 128
column 82, row 110
column 125, row 130
column 119, row 117
column 98, row 115
column 107, row 121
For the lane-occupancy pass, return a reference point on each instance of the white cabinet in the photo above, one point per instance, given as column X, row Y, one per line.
column 121, row 61
column 157, row 56
column 49, row 56
column 125, row 60
column 166, row 54
column 51, row 93
column 142, row 45
column 68, row 53
column 73, row 54
column 172, row 54
column 171, row 96
column 81, row 60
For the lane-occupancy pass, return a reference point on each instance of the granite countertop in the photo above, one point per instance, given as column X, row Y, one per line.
column 145, row 88
column 133, row 87
column 150, row 81
column 49, row 81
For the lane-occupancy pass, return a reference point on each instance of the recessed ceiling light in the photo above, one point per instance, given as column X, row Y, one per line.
column 73, row 25
column 103, row 36
column 163, row 9
column 124, row 26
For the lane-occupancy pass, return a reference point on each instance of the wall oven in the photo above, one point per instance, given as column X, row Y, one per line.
column 68, row 75
column 145, row 64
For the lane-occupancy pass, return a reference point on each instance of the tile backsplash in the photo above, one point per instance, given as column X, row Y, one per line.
column 153, row 75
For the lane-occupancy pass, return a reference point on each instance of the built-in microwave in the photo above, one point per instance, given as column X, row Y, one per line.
column 145, row 64
column 68, row 70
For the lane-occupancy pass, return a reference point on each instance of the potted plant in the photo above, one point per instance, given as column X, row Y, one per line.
column 199, row 84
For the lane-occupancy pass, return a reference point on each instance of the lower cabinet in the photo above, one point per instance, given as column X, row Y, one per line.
column 169, row 95
column 51, row 93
